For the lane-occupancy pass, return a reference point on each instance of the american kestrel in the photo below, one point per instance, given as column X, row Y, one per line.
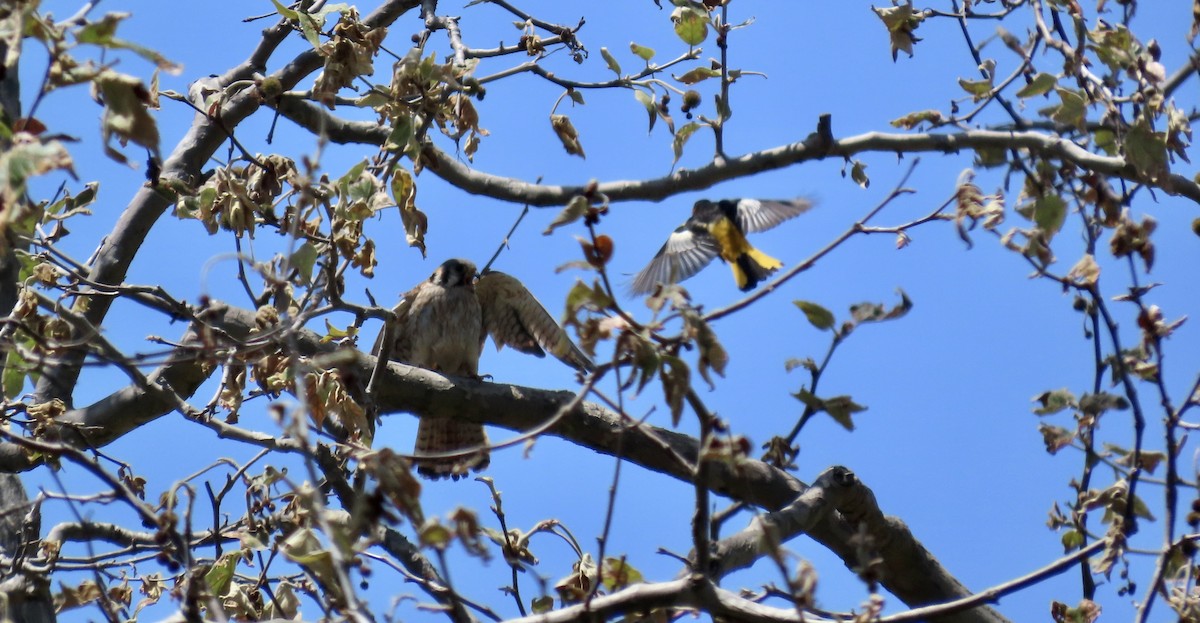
column 442, row 323
column 718, row 229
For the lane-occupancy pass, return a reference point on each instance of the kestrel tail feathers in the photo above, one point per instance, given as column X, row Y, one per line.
column 437, row 436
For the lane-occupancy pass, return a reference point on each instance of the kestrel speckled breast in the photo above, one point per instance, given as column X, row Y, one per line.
column 441, row 325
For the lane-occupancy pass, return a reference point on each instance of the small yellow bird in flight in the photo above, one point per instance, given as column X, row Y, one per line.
column 718, row 229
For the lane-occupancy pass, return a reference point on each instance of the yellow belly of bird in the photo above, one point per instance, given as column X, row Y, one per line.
column 734, row 245
column 732, row 242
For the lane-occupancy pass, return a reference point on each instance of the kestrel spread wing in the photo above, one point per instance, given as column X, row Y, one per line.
column 514, row 317
column 442, row 323
column 438, row 324
column 401, row 349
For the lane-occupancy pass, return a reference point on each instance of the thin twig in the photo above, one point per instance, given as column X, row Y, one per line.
column 507, row 238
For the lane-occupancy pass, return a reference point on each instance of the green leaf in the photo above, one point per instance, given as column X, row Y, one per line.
column 400, row 139
column 642, row 51
column 1071, row 109
column 817, row 315
column 990, row 156
column 70, row 203
column 1141, row 510
column 840, row 408
column 285, row 12
column 125, row 113
column 1146, row 151
column 978, row 89
column 681, row 139
column 15, row 371
column 691, row 24
column 1072, row 540
column 221, row 573
column 617, row 573
column 351, row 176
column 434, row 534
column 303, row 259
column 858, row 173
column 583, row 295
column 1106, row 140
column 1049, row 212
column 612, row 62
column 647, row 100
column 1040, row 85
column 22, row 161
column 311, row 24
column 102, row 33
column 542, row 605
column 576, row 208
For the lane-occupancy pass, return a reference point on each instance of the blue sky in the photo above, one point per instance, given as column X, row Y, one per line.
column 949, row 443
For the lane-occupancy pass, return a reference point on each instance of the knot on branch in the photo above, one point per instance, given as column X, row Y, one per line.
column 821, row 140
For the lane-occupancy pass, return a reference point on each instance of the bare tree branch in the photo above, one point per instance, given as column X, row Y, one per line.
column 447, row 167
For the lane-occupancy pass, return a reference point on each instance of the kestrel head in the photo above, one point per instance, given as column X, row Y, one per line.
column 454, row 272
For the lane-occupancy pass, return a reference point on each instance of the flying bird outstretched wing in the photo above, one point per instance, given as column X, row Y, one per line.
column 755, row 215
column 684, row 254
column 514, row 317
column 718, row 229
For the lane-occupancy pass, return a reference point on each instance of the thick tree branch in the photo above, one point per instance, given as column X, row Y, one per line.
column 814, row 147
column 809, row 509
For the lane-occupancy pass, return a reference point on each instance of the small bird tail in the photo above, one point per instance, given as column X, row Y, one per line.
column 442, row 435
column 752, row 267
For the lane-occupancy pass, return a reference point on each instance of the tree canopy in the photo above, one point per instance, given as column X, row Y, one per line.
column 964, row 393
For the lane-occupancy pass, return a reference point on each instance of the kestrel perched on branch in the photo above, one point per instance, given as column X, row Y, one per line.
column 718, row 229
column 442, row 323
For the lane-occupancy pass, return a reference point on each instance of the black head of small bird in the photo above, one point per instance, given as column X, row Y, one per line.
column 706, row 211
column 718, row 229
